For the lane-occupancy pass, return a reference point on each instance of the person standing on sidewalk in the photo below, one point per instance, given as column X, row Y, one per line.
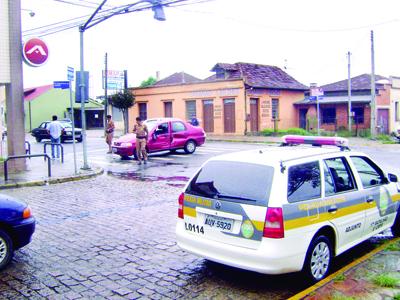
column 55, row 130
column 109, row 132
column 141, row 140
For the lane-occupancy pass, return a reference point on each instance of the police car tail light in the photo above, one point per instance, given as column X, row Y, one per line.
column 273, row 227
column 180, row 208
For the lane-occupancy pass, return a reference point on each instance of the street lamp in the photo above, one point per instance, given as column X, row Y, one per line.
column 159, row 15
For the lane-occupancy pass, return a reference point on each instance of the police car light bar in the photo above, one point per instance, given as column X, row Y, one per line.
column 315, row 140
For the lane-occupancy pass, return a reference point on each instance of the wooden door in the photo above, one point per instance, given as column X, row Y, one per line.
column 143, row 111
column 229, row 116
column 303, row 118
column 168, row 109
column 254, row 114
column 383, row 121
column 208, row 115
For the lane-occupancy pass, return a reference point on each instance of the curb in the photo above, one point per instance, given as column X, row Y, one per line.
column 331, row 277
column 92, row 174
column 241, row 141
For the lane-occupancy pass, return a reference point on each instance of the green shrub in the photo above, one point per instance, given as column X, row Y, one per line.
column 267, row 132
column 364, row 133
column 297, row 131
column 385, row 280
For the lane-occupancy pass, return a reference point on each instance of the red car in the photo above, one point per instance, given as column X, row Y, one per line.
column 165, row 134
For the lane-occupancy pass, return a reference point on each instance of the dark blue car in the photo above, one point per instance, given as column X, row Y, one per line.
column 16, row 227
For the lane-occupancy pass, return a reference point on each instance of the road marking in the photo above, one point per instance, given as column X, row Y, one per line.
column 331, row 277
column 209, row 151
column 222, row 149
column 159, row 158
column 179, row 156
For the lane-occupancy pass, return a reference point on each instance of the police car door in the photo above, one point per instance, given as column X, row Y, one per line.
column 344, row 204
column 379, row 207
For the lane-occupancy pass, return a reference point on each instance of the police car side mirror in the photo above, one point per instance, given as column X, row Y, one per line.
column 392, row 178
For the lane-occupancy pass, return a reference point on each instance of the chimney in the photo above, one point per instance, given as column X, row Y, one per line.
column 183, row 77
column 158, row 75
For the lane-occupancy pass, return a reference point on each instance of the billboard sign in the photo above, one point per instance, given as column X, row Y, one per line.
column 115, row 80
column 35, row 52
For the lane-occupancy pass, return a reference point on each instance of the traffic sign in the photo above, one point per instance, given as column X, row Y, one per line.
column 61, row 84
column 78, row 95
column 35, row 52
column 70, row 75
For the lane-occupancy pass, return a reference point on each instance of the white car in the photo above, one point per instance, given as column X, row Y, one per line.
column 286, row 209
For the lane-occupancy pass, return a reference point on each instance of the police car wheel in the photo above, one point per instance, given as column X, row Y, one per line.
column 6, row 249
column 396, row 226
column 318, row 260
column 190, row 147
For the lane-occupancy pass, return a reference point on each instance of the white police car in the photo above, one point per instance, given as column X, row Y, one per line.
column 286, row 209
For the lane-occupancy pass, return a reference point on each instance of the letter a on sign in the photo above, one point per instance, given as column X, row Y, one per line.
column 35, row 52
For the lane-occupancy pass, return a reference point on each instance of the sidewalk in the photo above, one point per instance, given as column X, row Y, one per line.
column 374, row 276
column 37, row 173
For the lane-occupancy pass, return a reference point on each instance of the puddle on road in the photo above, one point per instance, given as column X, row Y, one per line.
column 175, row 181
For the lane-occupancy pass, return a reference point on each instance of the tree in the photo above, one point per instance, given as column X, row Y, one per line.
column 149, row 81
column 123, row 101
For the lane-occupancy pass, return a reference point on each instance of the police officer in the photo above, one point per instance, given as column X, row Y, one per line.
column 141, row 140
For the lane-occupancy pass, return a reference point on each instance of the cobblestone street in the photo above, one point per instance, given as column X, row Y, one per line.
column 114, row 238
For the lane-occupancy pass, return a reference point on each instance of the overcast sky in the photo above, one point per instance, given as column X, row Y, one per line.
column 309, row 37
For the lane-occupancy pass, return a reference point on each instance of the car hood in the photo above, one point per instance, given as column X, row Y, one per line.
column 127, row 138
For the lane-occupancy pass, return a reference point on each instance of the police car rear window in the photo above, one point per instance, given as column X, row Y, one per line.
column 233, row 181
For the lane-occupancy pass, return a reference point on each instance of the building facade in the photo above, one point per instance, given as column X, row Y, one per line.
column 333, row 106
column 41, row 103
column 238, row 99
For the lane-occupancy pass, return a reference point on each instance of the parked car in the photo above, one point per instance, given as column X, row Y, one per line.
column 164, row 134
column 41, row 133
column 17, row 226
column 286, row 209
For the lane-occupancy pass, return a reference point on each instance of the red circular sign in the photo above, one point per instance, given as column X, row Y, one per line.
column 35, row 52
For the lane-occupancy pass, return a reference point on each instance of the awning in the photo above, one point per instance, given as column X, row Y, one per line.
column 362, row 99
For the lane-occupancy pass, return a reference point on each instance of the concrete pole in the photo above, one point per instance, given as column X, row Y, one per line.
column 83, row 99
column 15, row 90
column 105, row 90
column 349, row 88
column 373, row 103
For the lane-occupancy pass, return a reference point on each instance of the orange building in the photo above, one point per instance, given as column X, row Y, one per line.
column 239, row 98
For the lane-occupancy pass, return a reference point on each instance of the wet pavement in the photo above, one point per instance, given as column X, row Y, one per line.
column 113, row 238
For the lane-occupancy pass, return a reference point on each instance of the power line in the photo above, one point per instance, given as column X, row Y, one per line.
column 103, row 14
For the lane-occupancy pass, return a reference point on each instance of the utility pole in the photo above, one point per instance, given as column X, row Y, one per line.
column 126, row 112
column 349, row 88
column 105, row 91
column 373, row 104
column 14, row 90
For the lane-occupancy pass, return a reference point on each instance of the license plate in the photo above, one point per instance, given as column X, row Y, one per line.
column 114, row 150
column 219, row 223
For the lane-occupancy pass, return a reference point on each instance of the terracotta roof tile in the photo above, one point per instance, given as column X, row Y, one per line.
column 262, row 76
column 177, row 78
column 361, row 82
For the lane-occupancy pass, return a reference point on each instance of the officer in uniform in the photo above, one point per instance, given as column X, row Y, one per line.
column 141, row 140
